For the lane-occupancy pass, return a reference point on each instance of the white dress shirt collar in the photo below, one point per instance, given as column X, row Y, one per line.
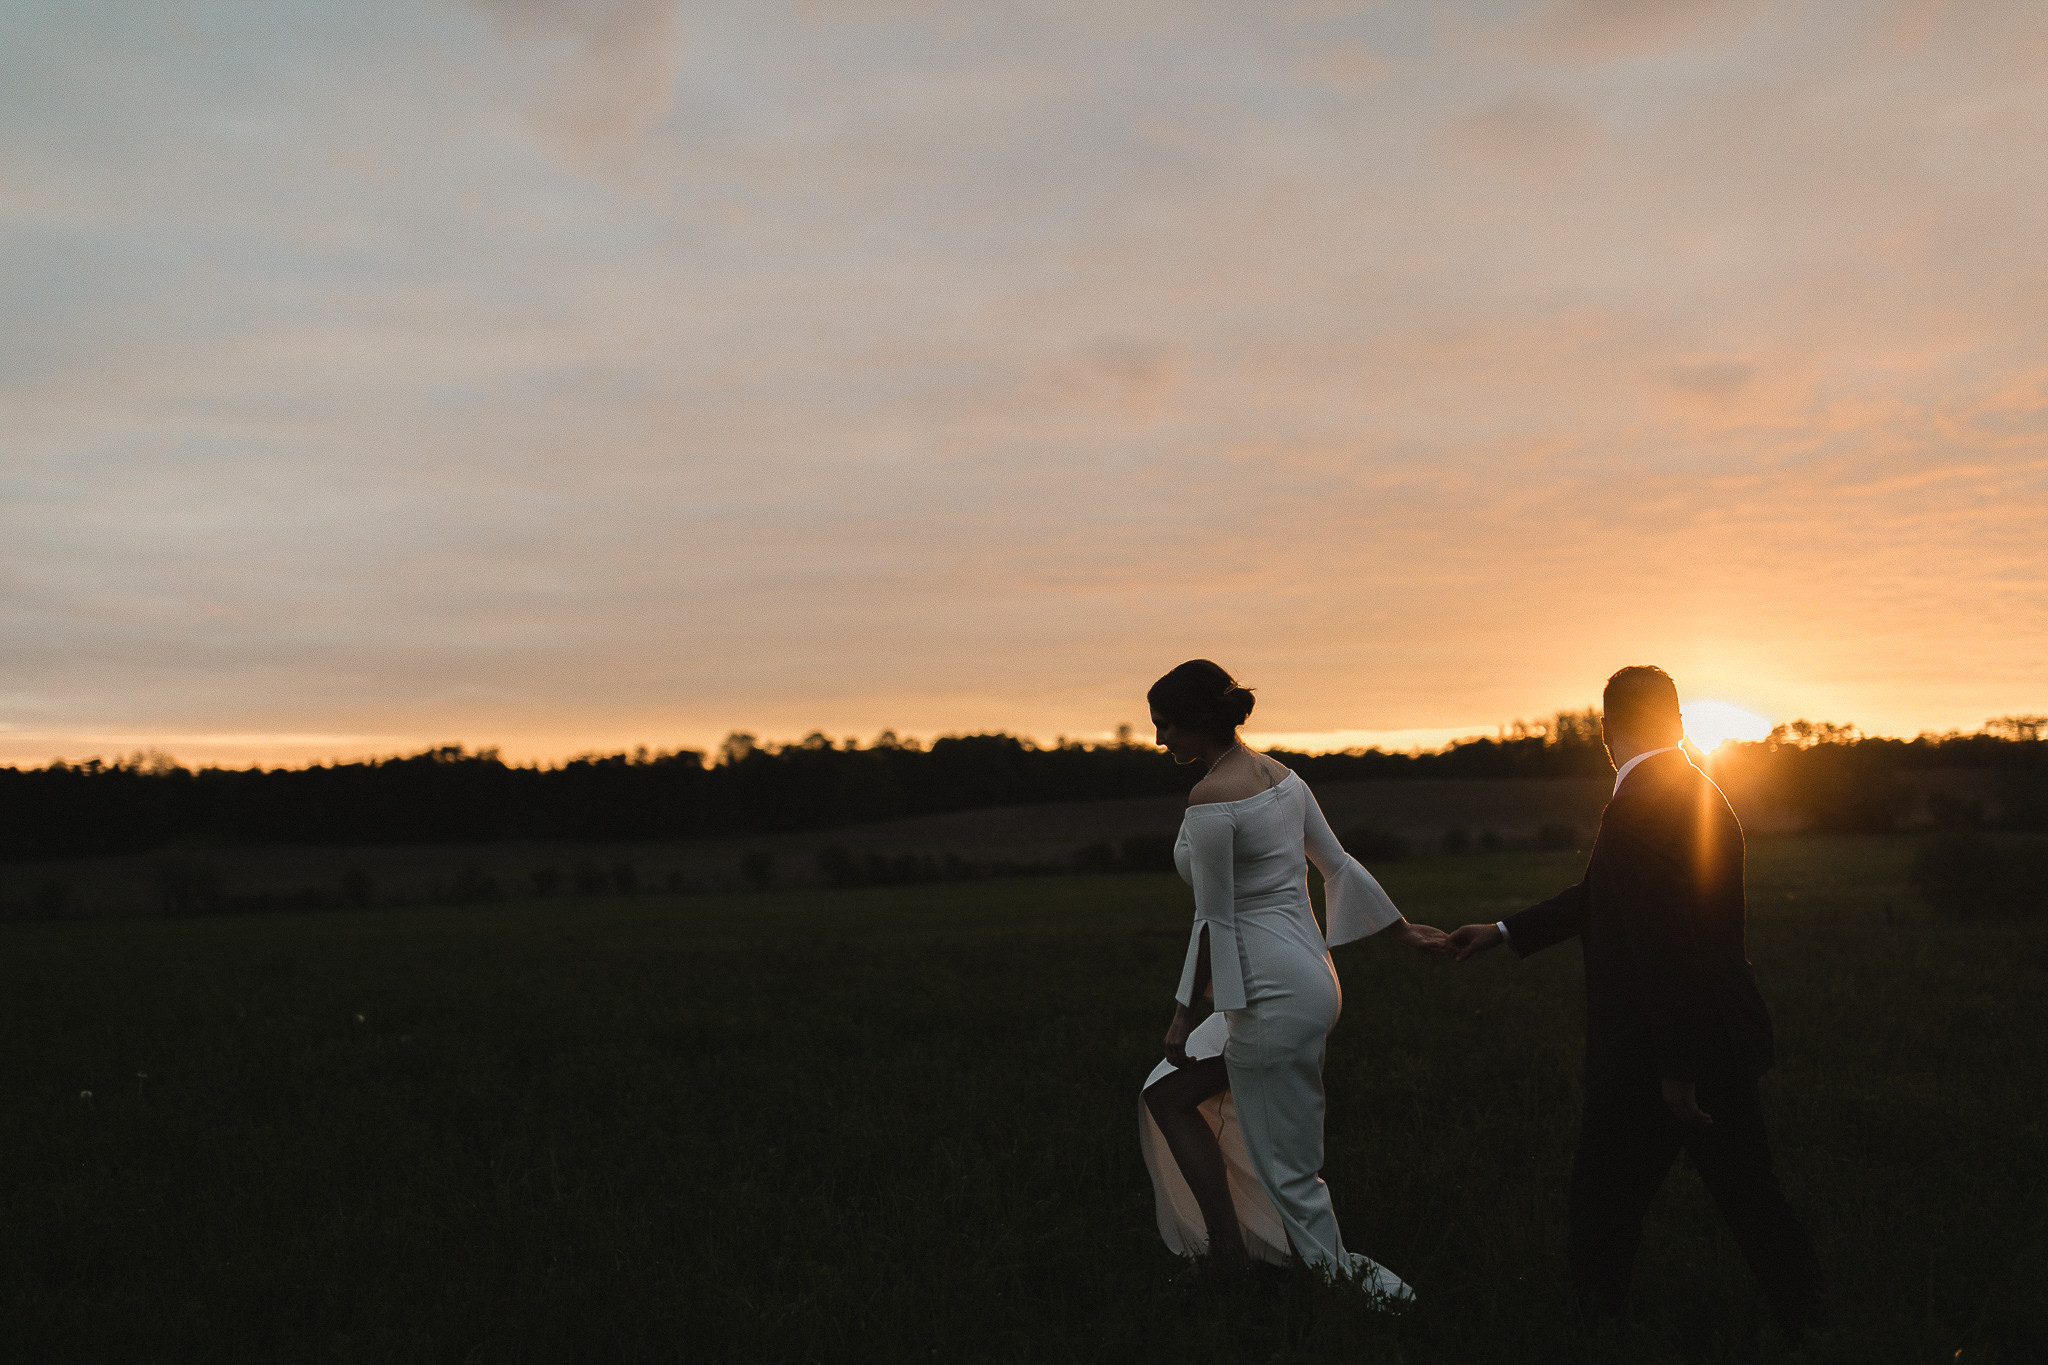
column 1630, row 766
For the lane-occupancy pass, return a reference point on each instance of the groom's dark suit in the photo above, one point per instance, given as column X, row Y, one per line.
column 1669, row 996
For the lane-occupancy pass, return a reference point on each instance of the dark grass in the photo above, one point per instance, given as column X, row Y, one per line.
column 901, row 1125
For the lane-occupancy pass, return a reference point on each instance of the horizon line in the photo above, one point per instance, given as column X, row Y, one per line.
column 123, row 748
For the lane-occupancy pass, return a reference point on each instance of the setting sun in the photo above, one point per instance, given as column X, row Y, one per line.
column 1710, row 724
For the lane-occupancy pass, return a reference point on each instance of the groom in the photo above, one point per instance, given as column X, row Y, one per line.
column 1676, row 1033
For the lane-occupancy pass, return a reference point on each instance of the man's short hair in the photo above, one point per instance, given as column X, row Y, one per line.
column 1641, row 702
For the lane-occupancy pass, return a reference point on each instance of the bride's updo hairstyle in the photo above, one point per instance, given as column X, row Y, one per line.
column 1201, row 697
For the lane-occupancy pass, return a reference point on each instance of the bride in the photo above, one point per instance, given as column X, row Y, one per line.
column 1232, row 1120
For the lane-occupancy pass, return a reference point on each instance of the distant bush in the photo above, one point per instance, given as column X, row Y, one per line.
column 355, row 886
column 1490, row 841
column 1370, row 845
column 50, row 900
column 2023, row 788
column 1965, row 874
column 1457, row 840
column 1855, row 793
column 1096, row 857
column 1556, row 838
column 1148, row 852
column 472, row 885
column 841, row 867
column 547, row 880
column 625, row 877
column 901, row 869
column 837, row 866
column 1139, row 853
column 260, row 902
column 1955, row 812
column 588, row 876
column 758, row 867
column 189, row 883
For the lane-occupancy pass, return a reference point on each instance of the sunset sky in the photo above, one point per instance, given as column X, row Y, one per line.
column 570, row 376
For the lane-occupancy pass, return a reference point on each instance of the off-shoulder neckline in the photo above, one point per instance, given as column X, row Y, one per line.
column 1292, row 776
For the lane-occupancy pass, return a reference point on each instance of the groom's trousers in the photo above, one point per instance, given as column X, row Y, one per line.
column 1627, row 1143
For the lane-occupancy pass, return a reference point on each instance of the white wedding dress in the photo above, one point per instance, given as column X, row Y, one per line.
column 1277, row 999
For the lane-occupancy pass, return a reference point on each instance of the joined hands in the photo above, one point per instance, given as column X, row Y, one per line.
column 1473, row 938
column 1456, row 945
column 1425, row 937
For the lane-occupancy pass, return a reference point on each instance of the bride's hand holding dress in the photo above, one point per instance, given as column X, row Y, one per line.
column 1177, row 1032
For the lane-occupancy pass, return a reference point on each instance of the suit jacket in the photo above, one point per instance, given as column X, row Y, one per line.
column 1669, row 989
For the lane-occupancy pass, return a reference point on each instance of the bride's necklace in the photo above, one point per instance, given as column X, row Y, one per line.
column 1237, row 747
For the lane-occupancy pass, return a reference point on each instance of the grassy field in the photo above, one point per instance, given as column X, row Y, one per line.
column 901, row 1125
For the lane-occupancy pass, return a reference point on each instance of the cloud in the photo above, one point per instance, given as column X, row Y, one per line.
column 1349, row 64
column 1716, row 383
column 1604, row 30
column 1123, row 375
column 612, row 63
column 1913, row 23
column 1530, row 133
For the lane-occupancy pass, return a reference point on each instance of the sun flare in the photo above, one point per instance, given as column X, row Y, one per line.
column 1710, row 724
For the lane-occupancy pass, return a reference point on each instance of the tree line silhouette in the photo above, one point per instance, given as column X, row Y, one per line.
column 1834, row 777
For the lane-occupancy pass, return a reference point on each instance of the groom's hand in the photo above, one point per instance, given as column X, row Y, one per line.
column 1473, row 938
column 1682, row 1098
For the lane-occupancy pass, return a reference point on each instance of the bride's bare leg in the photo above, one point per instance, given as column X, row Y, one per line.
column 1176, row 1102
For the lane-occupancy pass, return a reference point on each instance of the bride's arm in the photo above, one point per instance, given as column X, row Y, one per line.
column 1212, row 965
column 1184, row 1021
column 1354, row 904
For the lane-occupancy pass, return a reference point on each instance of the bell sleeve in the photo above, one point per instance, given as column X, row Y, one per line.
column 1354, row 904
column 1212, row 837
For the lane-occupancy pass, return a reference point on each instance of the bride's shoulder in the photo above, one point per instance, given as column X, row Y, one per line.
column 1249, row 780
column 1222, row 788
column 1276, row 770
